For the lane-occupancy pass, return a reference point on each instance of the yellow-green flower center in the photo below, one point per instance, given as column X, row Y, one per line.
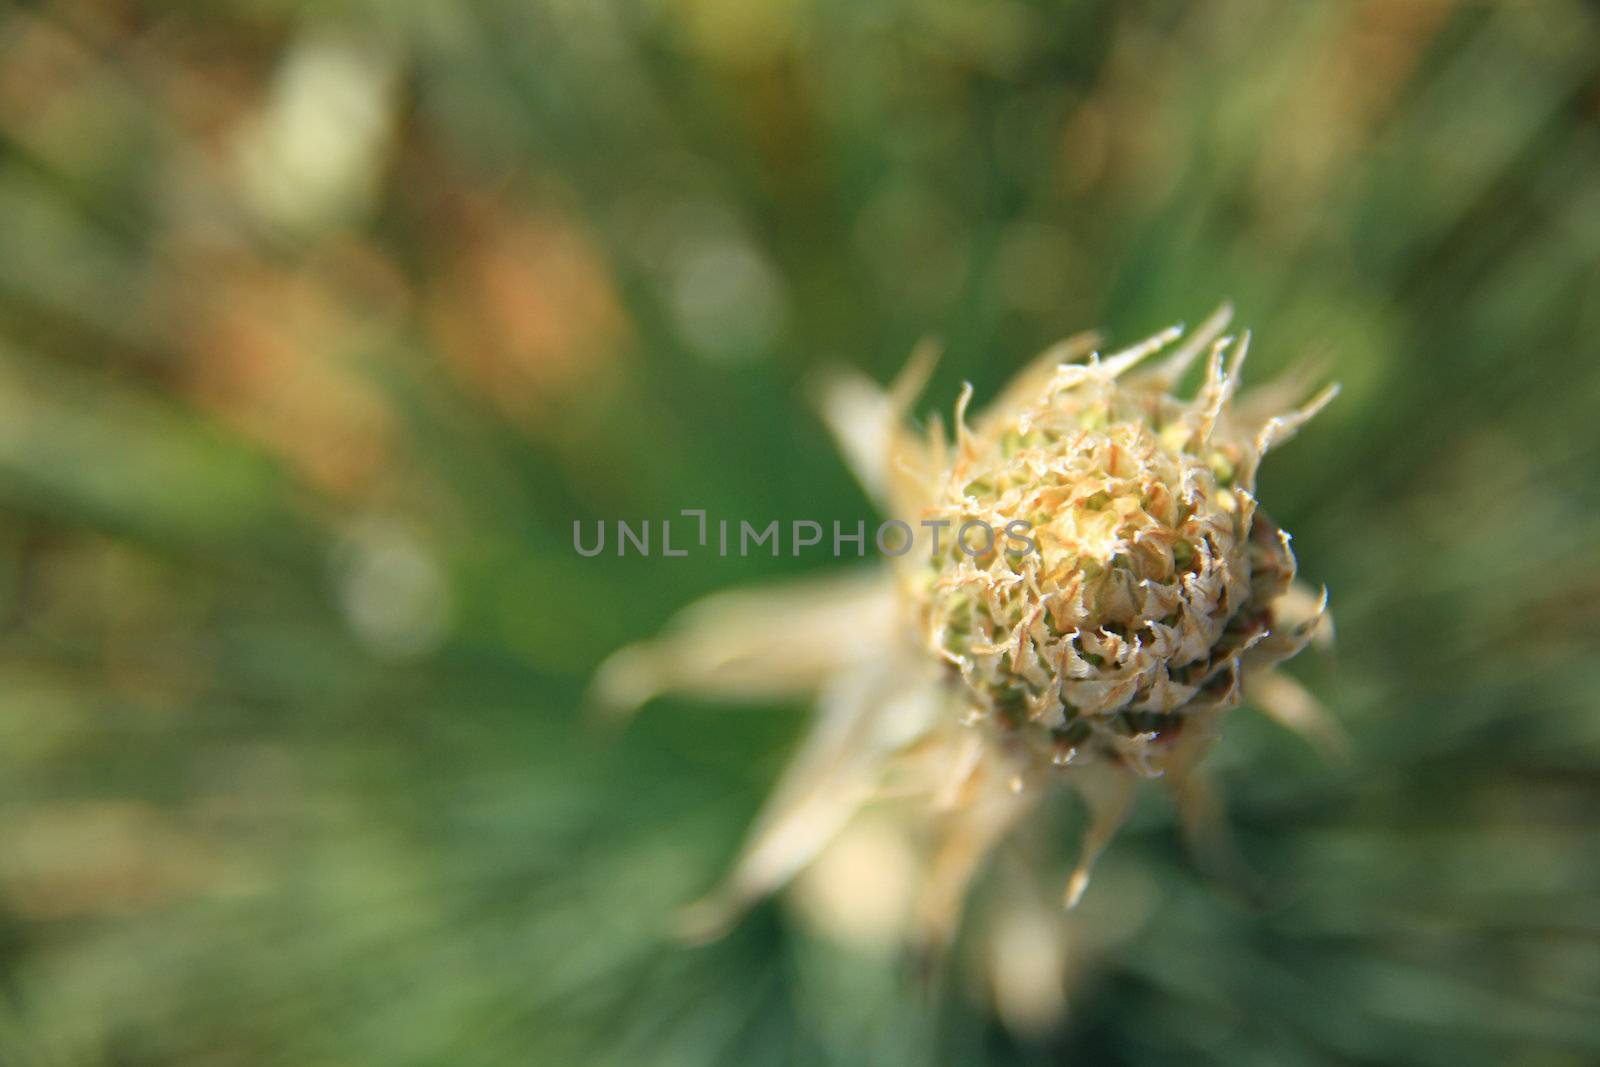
column 1131, row 600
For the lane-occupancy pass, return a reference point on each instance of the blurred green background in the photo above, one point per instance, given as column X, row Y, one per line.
column 321, row 323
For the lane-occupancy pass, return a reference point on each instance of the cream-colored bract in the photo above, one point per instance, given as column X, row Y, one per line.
column 951, row 691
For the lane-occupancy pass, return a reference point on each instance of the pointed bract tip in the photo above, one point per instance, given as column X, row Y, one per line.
column 703, row 921
column 623, row 683
column 1076, row 885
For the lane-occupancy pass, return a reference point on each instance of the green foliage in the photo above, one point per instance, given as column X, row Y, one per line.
column 321, row 324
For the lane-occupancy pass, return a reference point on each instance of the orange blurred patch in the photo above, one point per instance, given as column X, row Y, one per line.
column 272, row 352
column 525, row 311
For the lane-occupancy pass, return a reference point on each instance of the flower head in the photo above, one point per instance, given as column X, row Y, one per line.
column 1136, row 591
column 1149, row 578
